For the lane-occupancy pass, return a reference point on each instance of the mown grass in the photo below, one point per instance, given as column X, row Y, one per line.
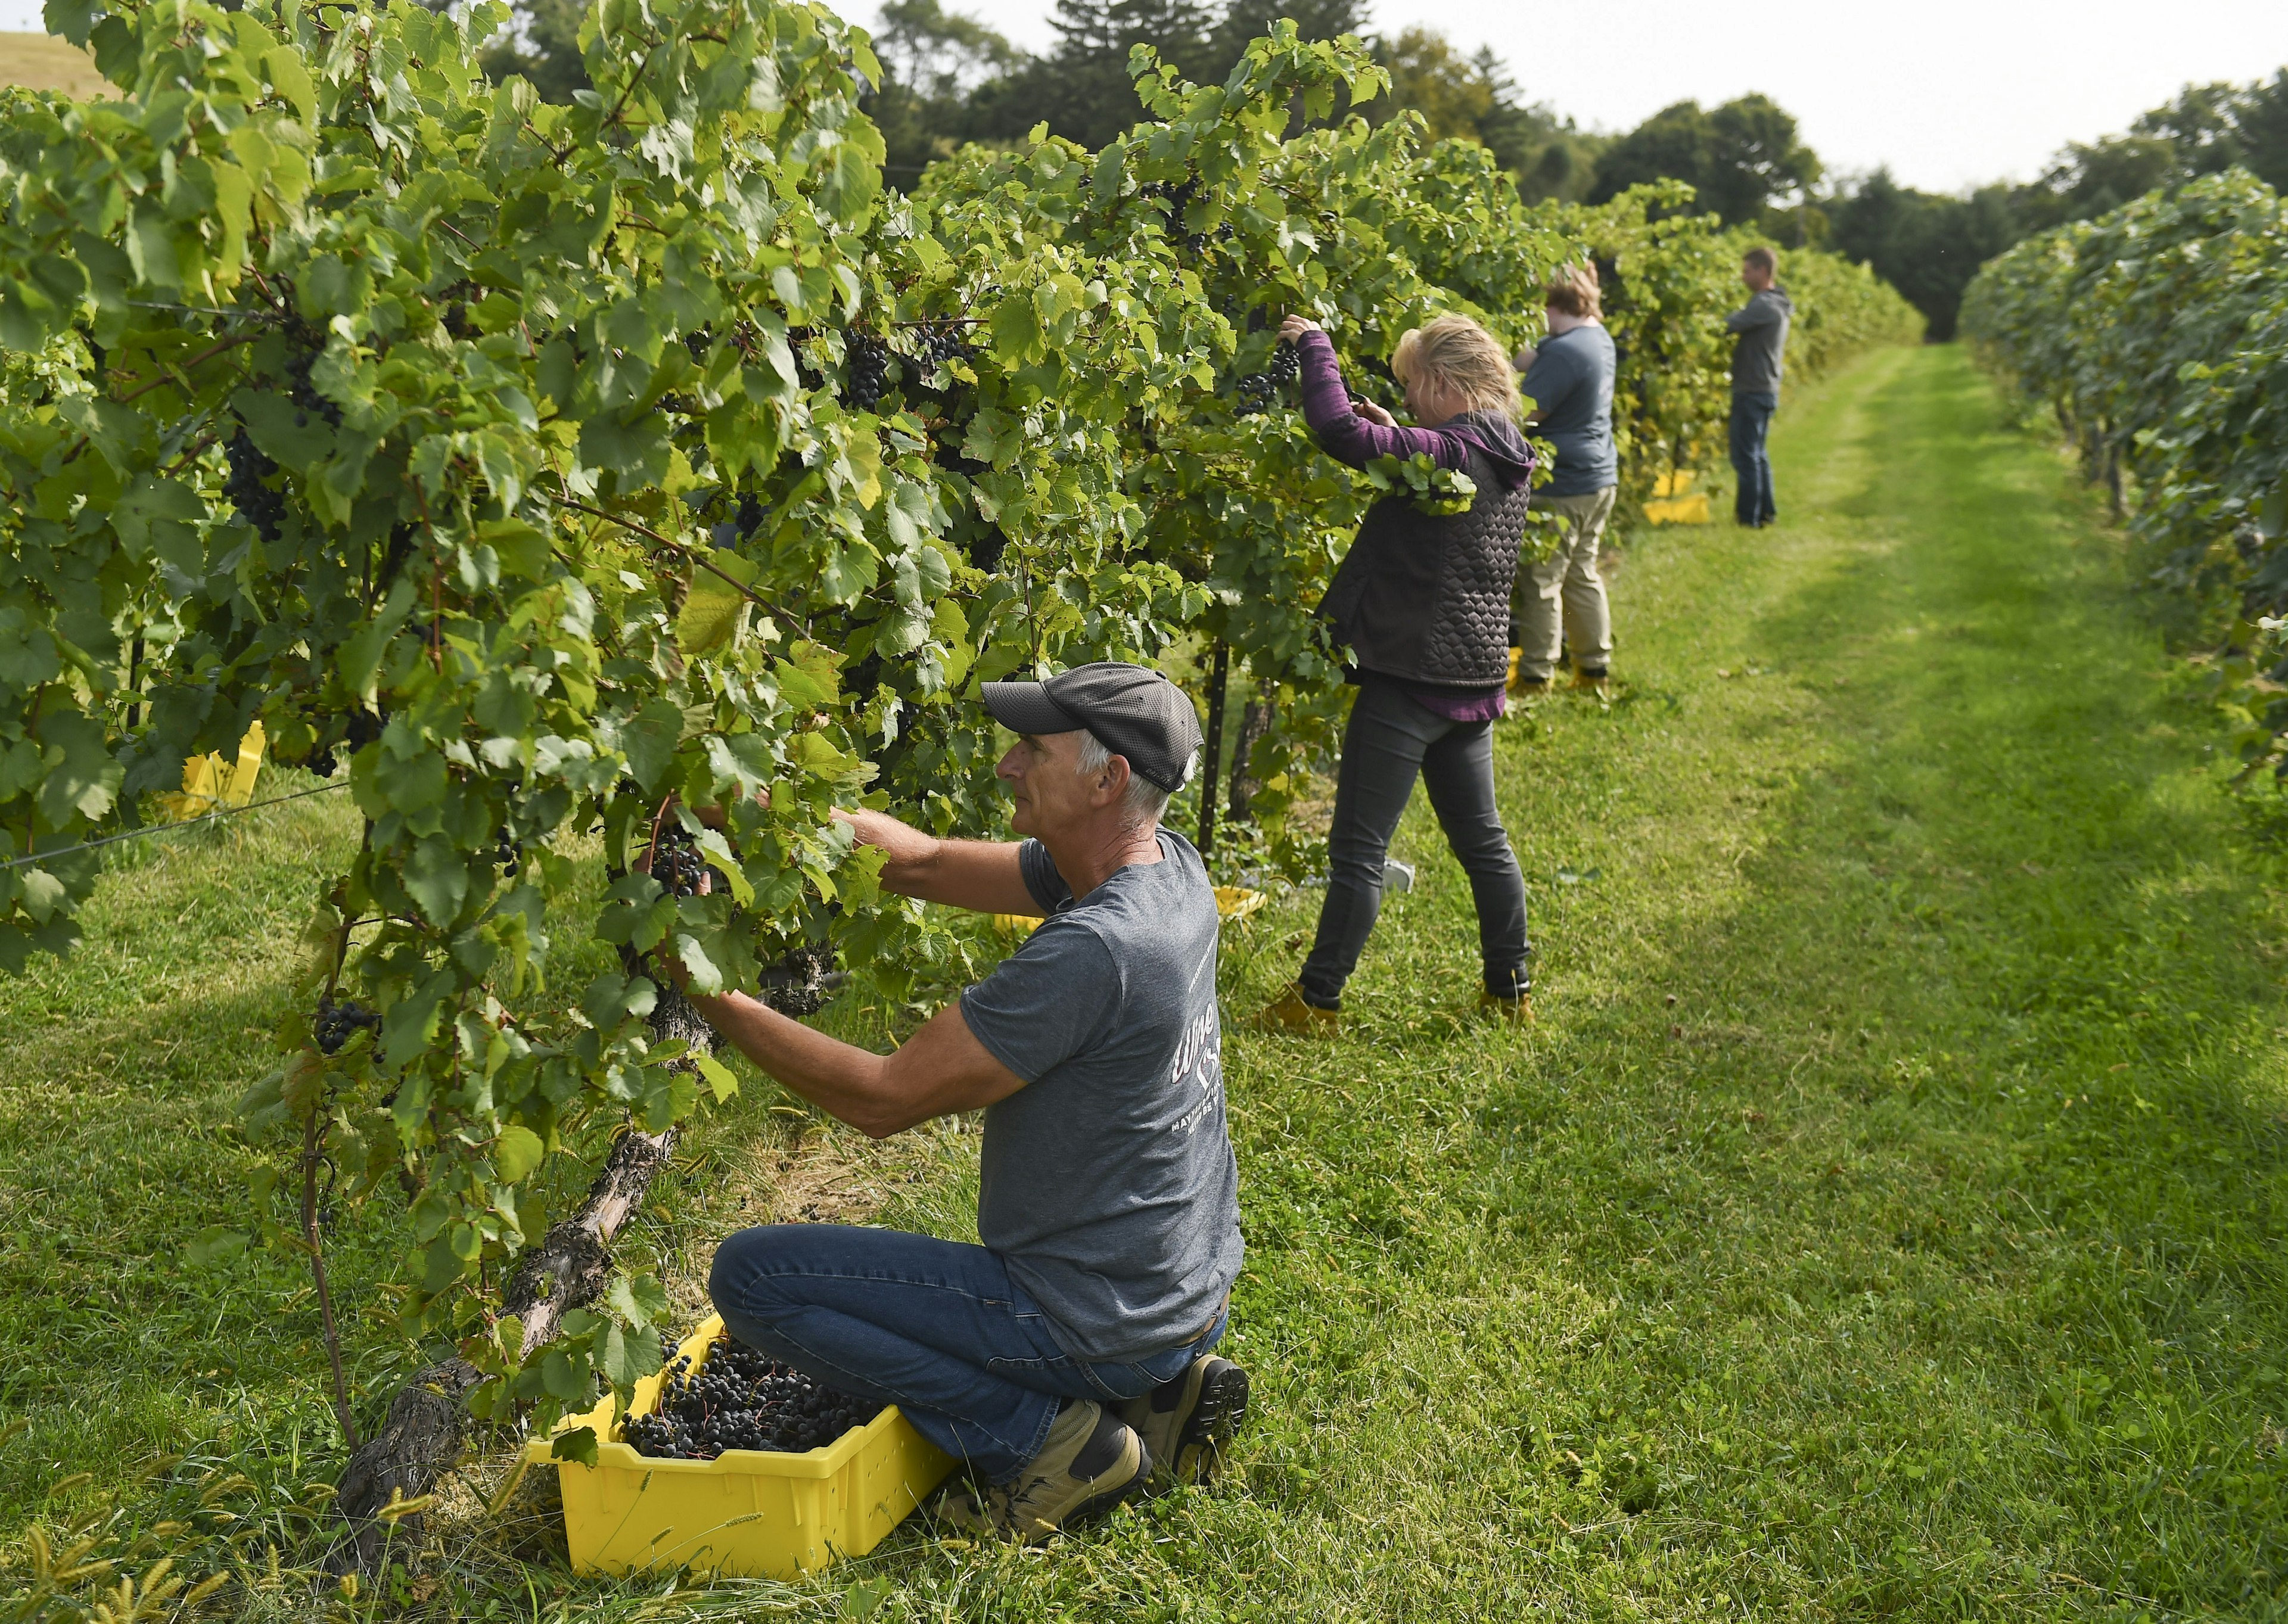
column 1885, row 1218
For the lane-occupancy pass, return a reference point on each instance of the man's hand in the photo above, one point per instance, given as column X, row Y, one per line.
column 1291, row 330
column 941, row 1069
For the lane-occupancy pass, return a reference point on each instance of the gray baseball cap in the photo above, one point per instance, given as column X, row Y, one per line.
column 1133, row 710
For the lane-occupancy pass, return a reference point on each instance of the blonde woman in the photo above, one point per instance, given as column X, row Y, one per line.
column 1422, row 601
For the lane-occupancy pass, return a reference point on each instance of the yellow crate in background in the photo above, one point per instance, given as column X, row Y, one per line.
column 1674, row 501
column 1236, row 901
column 210, row 783
column 748, row 1513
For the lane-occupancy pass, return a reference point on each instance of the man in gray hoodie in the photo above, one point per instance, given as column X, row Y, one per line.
column 1757, row 358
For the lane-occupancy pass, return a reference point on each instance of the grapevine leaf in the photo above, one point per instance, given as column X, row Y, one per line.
column 82, row 778
column 516, row 1152
column 577, row 1444
column 639, row 1299
column 719, row 1077
column 648, row 740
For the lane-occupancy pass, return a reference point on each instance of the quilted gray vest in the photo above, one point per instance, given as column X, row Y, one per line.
column 1424, row 597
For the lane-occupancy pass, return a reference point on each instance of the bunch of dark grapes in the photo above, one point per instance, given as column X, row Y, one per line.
column 798, row 341
column 337, row 1023
column 1259, row 391
column 739, row 1398
column 256, row 503
column 505, row 856
column 364, row 728
column 869, row 369
column 1178, row 198
column 676, row 862
column 305, row 396
column 936, row 343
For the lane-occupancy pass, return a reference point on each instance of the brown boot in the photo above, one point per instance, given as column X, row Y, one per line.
column 1092, row 1460
column 1290, row 1013
column 1186, row 1423
column 1516, row 1011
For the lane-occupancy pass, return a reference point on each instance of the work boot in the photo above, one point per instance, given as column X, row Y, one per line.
column 1091, row 1462
column 1522, row 686
column 1516, row 1011
column 1185, row 1423
column 1597, row 680
column 1291, row 1012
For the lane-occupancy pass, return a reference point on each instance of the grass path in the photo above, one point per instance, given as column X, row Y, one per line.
column 1886, row 1218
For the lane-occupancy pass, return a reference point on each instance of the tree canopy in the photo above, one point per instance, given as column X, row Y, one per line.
column 1740, row 158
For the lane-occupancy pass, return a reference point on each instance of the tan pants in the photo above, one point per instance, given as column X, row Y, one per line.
column 1569, row 575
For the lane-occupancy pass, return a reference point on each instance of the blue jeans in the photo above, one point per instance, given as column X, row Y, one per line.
column 1751, row 421
column 936, row 1327
column 1390, row 741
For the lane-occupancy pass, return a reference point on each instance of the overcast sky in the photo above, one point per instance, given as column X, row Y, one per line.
column 1948, row 92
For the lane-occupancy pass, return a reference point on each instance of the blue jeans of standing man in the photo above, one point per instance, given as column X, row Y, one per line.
column 1751, row 423
column 936, row 1327
column 1391, row 741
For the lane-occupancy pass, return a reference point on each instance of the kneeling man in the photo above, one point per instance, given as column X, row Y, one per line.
column 1070, row 1358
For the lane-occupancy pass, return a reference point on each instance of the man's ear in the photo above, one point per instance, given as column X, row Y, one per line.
column 1112, row 782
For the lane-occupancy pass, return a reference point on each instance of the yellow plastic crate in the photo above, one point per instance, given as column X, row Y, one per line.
column 1674, row 501
column 1236, row 901
column 748, row 1513
column 210, row 783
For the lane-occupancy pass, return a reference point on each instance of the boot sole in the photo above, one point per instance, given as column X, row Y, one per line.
column 1221, row 1406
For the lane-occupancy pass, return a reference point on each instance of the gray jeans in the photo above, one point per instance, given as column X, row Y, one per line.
column 1390, row 741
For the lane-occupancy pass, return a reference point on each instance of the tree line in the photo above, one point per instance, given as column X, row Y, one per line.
column 947, row 80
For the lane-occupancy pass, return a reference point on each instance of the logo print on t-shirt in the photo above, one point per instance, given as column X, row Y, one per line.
column 1199, row 1053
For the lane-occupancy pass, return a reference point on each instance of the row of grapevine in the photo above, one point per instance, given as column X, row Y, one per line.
column 2159, row 336
column 544, row 472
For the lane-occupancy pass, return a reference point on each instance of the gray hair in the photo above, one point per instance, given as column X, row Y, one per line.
column 1144, row 800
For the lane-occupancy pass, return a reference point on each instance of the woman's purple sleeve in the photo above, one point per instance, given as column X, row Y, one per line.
column 1348, row 438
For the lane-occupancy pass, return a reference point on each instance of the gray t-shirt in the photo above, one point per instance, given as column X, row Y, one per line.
column 1571, row 381
column 1107, row 1181
column 1759, row 356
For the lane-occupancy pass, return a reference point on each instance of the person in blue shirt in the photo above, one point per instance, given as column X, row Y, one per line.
column 1570, row 380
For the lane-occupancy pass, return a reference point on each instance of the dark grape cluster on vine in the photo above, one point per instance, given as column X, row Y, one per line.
column 335, row 1024
column 364, row 728
column 1259, row 391
column 869, row 369
column 798, row 340
column 677, row 863
column 259, row 505
column 935, row 342
column 744, row 521
column 741, row 1398
column 505, row 856
column 305, row 395
column 1178, row 198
